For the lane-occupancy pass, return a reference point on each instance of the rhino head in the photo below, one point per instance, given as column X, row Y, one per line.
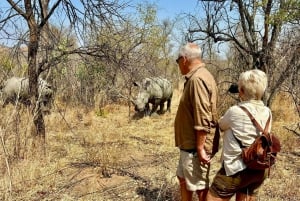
column 45, row 95
column 142, row 99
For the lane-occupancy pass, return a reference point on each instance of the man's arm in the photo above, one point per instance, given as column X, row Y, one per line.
column 202, row 155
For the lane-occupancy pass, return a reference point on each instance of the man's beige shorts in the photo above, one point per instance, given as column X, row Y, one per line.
column 196, row 175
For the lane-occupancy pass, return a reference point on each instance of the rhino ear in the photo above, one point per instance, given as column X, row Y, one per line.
column 147, row 84
column 137, row 84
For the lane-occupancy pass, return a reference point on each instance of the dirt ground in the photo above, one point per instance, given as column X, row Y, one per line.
column 140, row 161
column 108, row 154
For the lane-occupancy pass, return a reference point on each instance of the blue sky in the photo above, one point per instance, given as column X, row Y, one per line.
column 166, row 9
column 171, row 8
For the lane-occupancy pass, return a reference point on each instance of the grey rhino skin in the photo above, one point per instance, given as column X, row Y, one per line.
column 155, row 90
column 16, row 89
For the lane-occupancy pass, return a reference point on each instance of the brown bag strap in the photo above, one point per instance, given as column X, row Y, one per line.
column 216, row 140
column 264, row 131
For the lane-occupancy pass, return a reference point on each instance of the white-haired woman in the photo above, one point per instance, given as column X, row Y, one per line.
column 234, row 178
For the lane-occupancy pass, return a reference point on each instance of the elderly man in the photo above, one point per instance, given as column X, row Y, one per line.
column 195, row 123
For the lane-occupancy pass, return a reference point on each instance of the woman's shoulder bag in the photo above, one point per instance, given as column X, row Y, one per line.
column 261, row 154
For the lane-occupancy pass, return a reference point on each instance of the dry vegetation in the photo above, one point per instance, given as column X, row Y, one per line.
column 107, row 155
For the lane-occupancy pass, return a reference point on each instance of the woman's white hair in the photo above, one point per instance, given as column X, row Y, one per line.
column 253, row 83
column 190, row 51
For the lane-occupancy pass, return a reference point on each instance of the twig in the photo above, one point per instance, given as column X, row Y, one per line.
column 293, row 130
column 69, row 126
column 6, row 161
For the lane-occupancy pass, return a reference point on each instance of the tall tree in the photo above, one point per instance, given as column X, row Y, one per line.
column 36, row 15
column 255, row 30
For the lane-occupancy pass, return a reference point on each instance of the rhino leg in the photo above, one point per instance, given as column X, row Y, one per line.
column 169, row 105
column 147, row 110
column 161, row 108
column 9, row 99
column 5, row 102
column 154, row 108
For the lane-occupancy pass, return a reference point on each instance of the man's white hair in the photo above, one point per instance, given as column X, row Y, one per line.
column 190, row 51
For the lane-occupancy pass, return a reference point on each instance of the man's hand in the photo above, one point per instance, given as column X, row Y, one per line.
column 203, row 157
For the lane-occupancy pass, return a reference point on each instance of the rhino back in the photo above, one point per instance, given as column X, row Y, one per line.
column 15, row 86
column 162, row 88
column 154, row 89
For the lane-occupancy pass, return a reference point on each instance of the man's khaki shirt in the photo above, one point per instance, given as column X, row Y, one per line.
column 197, row 109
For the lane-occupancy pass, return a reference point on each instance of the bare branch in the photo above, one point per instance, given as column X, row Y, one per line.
column 17, row 8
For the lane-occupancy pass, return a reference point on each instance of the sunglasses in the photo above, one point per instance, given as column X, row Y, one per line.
column 177, row 60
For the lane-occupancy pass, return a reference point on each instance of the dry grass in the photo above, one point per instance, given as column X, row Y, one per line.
column 105, row 155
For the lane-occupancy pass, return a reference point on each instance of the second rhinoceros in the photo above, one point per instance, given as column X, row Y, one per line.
column 155, row 90
column 16, row 89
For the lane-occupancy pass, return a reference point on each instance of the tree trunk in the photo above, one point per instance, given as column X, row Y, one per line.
column 38, row 119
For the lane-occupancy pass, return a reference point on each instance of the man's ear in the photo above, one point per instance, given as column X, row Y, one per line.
column 184, row 60
column 242, row 90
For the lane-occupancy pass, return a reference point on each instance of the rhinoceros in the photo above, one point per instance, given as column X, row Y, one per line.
column 155, row 90
column 16, row 89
